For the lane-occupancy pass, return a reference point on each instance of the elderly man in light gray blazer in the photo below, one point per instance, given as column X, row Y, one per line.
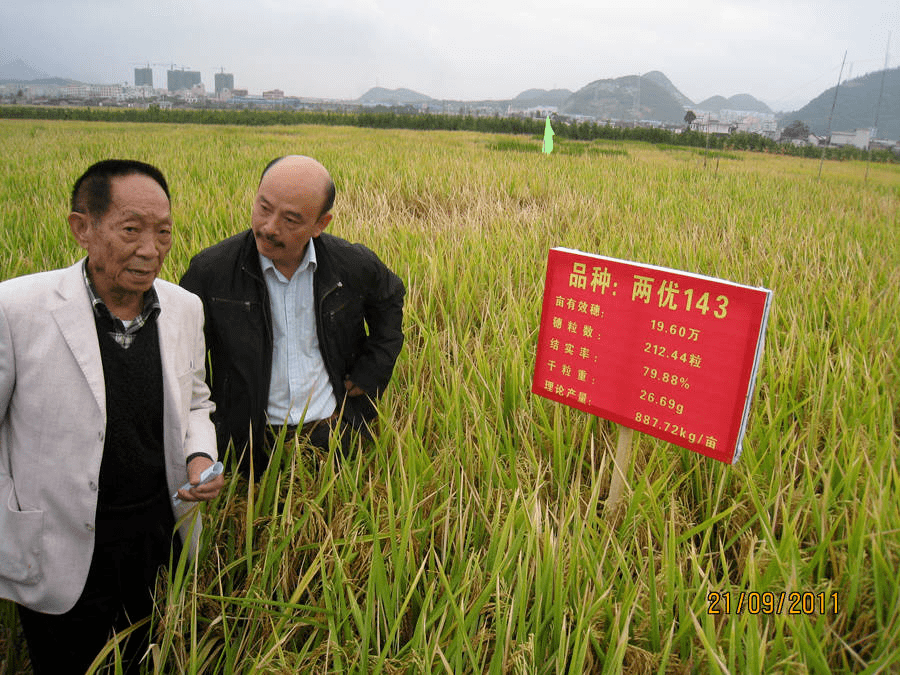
column 104, row 415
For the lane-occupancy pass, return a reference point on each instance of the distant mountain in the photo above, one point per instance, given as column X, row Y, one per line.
column 629, row 98
column 658, row 78
column 382, row 96
column 19, row 70
column 43, row 82
column 534, row 98
column 855, row 106
column 744, row 102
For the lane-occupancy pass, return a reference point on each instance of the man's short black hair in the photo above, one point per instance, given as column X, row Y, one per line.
column 92, row 194
column 329, row 189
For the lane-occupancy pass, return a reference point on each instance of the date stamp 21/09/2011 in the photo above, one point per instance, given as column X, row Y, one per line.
column 754, row 602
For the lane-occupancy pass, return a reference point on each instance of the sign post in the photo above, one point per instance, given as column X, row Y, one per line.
column 668, row 353
column 620, row 468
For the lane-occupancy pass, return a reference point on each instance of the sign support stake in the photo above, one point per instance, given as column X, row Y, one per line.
column 620, row 469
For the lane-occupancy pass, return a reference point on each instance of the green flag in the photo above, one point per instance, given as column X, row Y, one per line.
column 548, row 137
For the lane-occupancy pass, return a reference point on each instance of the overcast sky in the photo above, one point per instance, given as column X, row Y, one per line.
column 784, row 52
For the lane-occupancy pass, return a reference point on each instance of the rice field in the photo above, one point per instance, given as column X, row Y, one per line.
column 472, row 536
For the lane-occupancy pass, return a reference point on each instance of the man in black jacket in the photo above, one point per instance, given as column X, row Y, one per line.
column 303, row 328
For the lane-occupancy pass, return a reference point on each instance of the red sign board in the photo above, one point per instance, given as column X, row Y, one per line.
column 664, row 352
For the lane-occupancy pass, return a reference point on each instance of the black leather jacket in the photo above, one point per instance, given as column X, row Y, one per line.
column 353, row 291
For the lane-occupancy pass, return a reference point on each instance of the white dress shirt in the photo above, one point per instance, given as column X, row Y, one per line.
column 299, row 380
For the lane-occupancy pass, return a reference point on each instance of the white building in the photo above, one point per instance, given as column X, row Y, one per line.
column 858, row 138
column 751, row 122
column 747, row 121
column 90, row 91
column 705, row 123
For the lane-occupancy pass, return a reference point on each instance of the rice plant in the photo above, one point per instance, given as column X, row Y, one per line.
column 471, row 536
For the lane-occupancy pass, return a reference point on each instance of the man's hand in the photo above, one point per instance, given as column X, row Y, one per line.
column 352, row 389
column 205, row 492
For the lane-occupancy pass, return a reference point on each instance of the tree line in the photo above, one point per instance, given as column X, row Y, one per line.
column 384, row 119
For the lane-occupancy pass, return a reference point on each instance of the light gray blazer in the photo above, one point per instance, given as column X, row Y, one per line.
column 53, row 421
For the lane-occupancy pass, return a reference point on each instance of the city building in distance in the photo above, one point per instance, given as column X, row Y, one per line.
column 179, row 80
column 143, row 77
column 224, row 81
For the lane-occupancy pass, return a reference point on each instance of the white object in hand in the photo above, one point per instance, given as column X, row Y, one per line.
column 208, row 474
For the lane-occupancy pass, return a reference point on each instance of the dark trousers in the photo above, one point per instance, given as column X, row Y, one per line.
column 322, row 431
column 130, row 547
column 316, row 434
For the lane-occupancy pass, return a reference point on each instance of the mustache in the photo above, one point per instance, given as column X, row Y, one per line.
column 271, row 240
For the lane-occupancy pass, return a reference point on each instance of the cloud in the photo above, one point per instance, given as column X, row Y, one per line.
column 466, row 49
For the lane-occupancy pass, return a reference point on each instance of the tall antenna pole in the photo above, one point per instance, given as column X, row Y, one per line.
column 833, row 103
column 636, row 103
column 887, row 51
